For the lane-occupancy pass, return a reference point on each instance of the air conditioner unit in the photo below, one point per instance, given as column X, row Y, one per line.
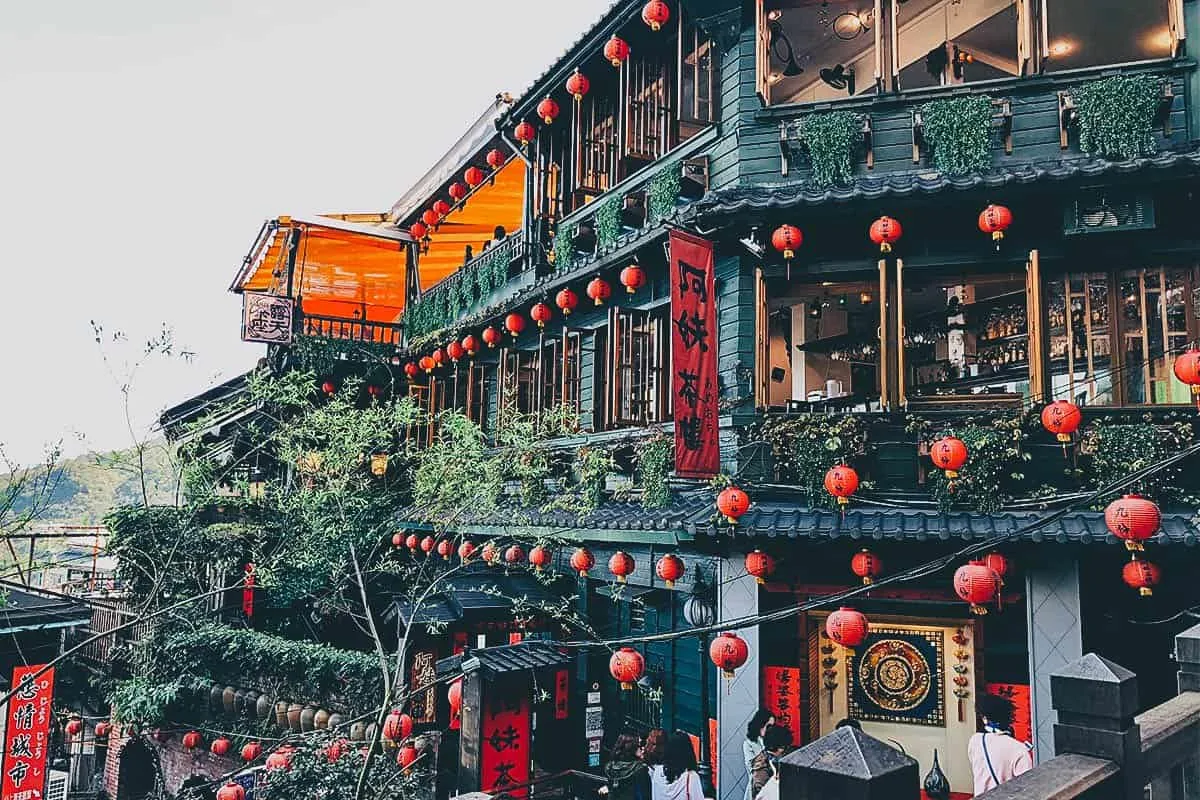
column 1109, row 211
column 56, row 785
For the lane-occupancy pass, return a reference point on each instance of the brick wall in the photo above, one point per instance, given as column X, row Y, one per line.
column 176, row 763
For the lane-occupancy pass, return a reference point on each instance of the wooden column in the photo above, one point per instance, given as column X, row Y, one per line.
column 762, row 344
column 1040, row 387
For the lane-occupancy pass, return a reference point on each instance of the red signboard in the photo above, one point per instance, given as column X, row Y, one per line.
column 562, row 691
column 422, row 706
column 248, row 592
column 27, row 734
column 713, row 738
column 694, row 356
column 781, row 696
column 505, row 750
column 1018, row 695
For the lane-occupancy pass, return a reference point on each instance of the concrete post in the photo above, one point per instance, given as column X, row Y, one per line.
column 1096, row 701
column 1187, row 656
column 848, row 765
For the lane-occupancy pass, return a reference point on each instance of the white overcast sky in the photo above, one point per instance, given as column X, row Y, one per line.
column 143, row 142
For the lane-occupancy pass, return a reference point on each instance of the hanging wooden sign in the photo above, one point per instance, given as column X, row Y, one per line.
column 694, row 356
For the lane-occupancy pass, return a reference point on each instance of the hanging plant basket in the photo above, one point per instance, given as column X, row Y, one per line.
column 1116, row 116
column 832, row 140
column 959, row 131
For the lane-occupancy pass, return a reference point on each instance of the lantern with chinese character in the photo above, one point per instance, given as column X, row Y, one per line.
column 616, row 50
column 867, row 566
column 599, row 290
column 1132, row 519
column 633, row 278
column 1141, row 575
column 978, row 584
column 578, row 85
column 539, row 557
column 620, row 565
column 281, row 759
column 491, row 336
column 407, row 756
column 470, row 344
column 847, row 627
column 885, row 232
column 1062, row 418
column 514, row 324
column 445, row 548
column 474, row 176
column 655, row 14
column 495, row 159
column 457, row 192
column 760, row 565
column 231, row 791
column 328, row 387
column 514, row 555
column 841, row 482
column 397, row 726
column 220, row 746
column 949, row 454
column 627, row 666
column 995, row 220
column 548, row 110
column 74, row 727
column 786, row 239
column 732, row 502
column 455, row 351
column 566, row 300
column 427, row 545
column 251, row 751
column 412, row 370
column 441, row 208
column 541, row 314
column 490, row 553
column 466, row 550
column 1187, row 370
column 582, row 560
column 669, row 569
column 192, row 740
column 729, row 652
column 524, row 133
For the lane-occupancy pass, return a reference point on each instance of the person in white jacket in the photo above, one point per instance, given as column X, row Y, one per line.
column 679, row 770
column 753, row 744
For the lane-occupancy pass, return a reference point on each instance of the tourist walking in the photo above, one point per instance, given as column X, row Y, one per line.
column 753, row 745
column 626, row 773
column 679, row 770
column 995, row 755
column 777, row 740
column 653, row 753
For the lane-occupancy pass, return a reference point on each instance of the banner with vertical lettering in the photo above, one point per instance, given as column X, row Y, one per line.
column 781, row 696
column 694, row 356
column 27, row 734
column 505, row 759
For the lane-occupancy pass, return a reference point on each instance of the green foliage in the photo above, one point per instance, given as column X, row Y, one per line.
column 608, row 223
column 959, row 130
column 1117, row 450
column 143, row 701
column 655, row 460
column 663, row 191
column 1116, row 115
column 564, row 246
column 832, row 139
column 312, row 775
column 594, row 465
column 805, row 447
column 995, row 464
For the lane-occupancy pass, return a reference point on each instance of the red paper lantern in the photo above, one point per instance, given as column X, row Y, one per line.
column 1141, row 575
column 220, row 746
column 466, row 550
column 1133, row 519
column 847, row 627
column 655, row 14
column 445, row 548
column 977, row 584
column 428, row 364
column 541, row 314
column 455, row 351
column 633, row 278
column 669, row 569
column 438, row 356
column 729, row 652
column 431, row 218
column 454, row 697
column 397, row 540
column 539, row 557
column 490, row 553
column 427, row 544
column 525, row 133
column 582, row 560
column 412, row 542
column 578, row 85
column 733, row 503
column 616, row 50
column 998, row 564
column 192, row 740
column 103, row 729
column 496, row 159
column 548, row 110
column 374, row 391
column 1187, row 370
column 412, row 370
column 407, row 756
column 418, row 231
column 335, row 750
column 281, row 759
column 470, row 344
column 995, row 220
column 841, row 482
column 566, row 300
column 474, row 176
column 786, row 239
column 627, row 666
column 251, row 751
column 74, row 727
column 441, row 208
column 620, row 565
column 949, row 454
column 514, row 554
column 599, row 290
column 760, row 565
column 328, row 387
column 1062, row 418
column 885, row 232
column 514, row 324
column 867, row 566
column 397, row 726
column 457, row 191
column 491, row 336
column 231, row 791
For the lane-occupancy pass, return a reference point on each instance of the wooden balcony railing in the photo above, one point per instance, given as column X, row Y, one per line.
column 107, row 615
column 389, row 333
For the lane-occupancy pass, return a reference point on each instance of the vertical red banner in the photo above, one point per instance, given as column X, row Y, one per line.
column 781, row 696
column 27, row 734
column 562, row 693
column 713, row 747
column 422, row 706
column 248, row 592
column 694, row 356
column 505, row 750
column 1018, row 695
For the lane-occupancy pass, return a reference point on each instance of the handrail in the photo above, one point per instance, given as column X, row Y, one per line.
column 357, row 330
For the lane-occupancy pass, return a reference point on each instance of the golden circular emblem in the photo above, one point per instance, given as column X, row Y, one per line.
column 894, row 675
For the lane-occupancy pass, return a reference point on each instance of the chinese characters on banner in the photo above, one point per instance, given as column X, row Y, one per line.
column 781, row 696
column 1018, row 695
column 248, row 592
column 266, row 318
column 505, row 749
column 694, row 356
column 423, row 706
column 27, row 734
column 562, row 690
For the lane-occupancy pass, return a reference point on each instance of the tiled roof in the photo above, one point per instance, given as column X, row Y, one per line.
column 479, row 589
column 493, row 661
column 30, row 609
column 775, row 519
column 766, row 197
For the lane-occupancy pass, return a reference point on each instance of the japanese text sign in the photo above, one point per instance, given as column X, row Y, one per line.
column 781, row 696
column 27, row 734
column 562, row 691
column 505, row 745
column 423, row 705
column 694, row 356
column 266, row 318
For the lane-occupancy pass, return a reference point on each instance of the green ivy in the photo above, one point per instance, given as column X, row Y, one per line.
column 564, row 246
column 1116, row 115
column 655, row 460
column 593, row 464
column 960, row 132
column 664, row 191
column 608, row 223
column 832, row 139
column 1116, row 450
column 804, row 448
column 995, row 468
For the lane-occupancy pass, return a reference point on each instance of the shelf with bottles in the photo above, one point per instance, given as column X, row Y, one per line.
column 842, row 341
column 968, row 383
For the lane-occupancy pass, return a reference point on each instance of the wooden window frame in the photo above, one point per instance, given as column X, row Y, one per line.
column 1175, row 23
column 561, row 371
column 477, row 394
column 655, row 399
column 691, row 32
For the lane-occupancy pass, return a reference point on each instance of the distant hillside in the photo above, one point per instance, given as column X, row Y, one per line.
column 94, row 483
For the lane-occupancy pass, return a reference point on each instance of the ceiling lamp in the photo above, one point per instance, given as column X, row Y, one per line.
column 850, row 25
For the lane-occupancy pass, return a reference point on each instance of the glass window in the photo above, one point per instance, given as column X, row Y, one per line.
column 1080, row 331
column 480, row 395
column 943, row 42
column 561, row 372
column 817, row 51
column 696, row 81
column 1078, row 35
column 1153, row 306
column 637, row 360
column 518, row 381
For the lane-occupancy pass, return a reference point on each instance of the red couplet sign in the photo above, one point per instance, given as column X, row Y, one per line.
column 694, row 356
column 1018, row 695
column 781, row 696
column 505, row 750
column 27, row 734
column 562, row 691
column 248, row 592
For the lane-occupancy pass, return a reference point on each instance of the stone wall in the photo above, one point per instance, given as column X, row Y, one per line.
column 175, row 763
